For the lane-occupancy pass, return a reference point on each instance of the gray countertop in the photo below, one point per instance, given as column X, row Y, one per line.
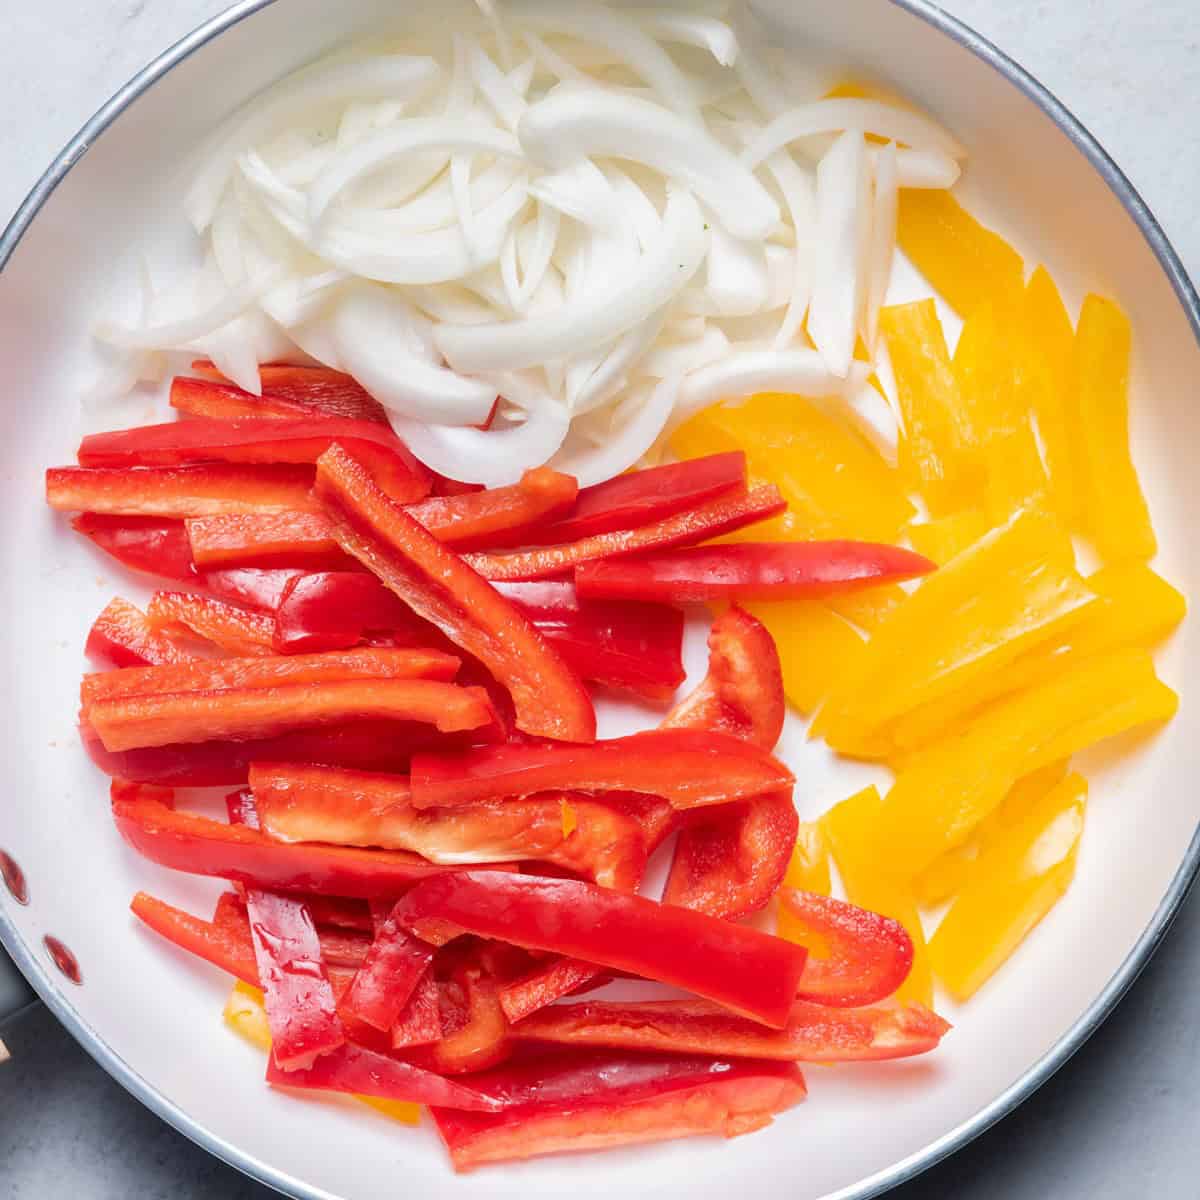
column 1121, row 1118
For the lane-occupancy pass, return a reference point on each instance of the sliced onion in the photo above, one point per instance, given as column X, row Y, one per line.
column 882, row 244
column 639, row 208
column 568, row 126
column 611, row 373
column 326, row 83
column 381, row 342
column 924, row 169
column 624, row 446
column 495, row 86
column 691, row 29
column 800, row 197
column 737, row 281
column 594, row 320
column 681, row 358
column 551, row 60
column 581, row 191
column 843, row 216
column 535, row 265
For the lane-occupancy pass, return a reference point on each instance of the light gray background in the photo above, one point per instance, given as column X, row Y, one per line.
column 1122, row 1118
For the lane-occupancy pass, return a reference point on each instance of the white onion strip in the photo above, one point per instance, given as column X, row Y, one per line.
column 691, row 29
column 798, row 193
column 737, row 283
column 882, row 245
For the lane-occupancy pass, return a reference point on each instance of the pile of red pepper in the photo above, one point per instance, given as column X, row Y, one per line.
column 428, row 845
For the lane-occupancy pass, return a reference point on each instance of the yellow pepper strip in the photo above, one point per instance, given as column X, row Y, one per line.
column 835, row 481
column 1016, row 478
column 967, row 263
column 1050, row 342
column 1137, row 608
column 1115, row 516
column 808, row 871
column 943, row 792
column 246, row 1016
column 946, row 876
column 815, row 647
column 850, row 829
column 944, row 537
column 868, row 607
column 933, row 435
column 1015, row 883
column 1011, row 590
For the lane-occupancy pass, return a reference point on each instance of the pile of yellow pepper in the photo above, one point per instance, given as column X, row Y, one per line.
column 978, row 686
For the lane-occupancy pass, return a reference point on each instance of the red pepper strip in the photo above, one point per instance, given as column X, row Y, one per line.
column 505, row 516
column 340, row 948
column 544, row 986
column 421, row 1021
column 260, row 440
column 200, row 846
column 550, row 700
column 740, row 968
column 231, row 950
column 252, row 587
column 814, row 1032
column 157, row 545
column 294, row 539
column 338, row 912
column 301, row 1010
column 641, row 497
column 721, row 515
column 750, row 571
column 129, row 722
column 857, row 957
column 225, row 625
column 369, row 745
column 122, row 636
column 180, row 491
column 232, row 674
column 394, row 966
column 333, row 610
column 687, row 767
column 366, row 1072
column 587, row 1100
column 303, row 803
column 453, row 487
column 286, row 392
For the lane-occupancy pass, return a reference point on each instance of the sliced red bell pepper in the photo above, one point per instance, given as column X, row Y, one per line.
column 558, row 978
column 292, row 539
column 740, row 968
column 394, row 966
column 260, row 440
column 421, row 1021
column 688, row 767
column 720, row 515
column 130, row 722
column 367, row 745
column 157, row 545
column 251, row 587
column 234, row 674
column 332, row 610
column 549, row 698
column 504, row 516
column 814, row 1032
column 857, row 957
column 230, row 950
column 749, row 571
column 340, row 948
column 588, row 1100
column 304, row 803
column 181, row 491
column 453, row 487
column 122, row 636
column 364, row 1072
column 298, row 998
column 201, row 846
column 642, row 497
column 338, row 912
column 235, row 629
column 287, row 391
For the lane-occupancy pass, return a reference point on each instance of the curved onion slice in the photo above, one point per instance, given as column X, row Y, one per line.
column 594, row 319
column 737, row 283
column 495, row 86
column 581, row 191
column 680, row 358
column 924, row 169
column 384, row 344
column 691, row 29
column 798, row 193
column 882, row 246
column 627, row 444
column 611, row 373
column 851, row 114
column 568, row 126
column 453, row 134
column 393, row 77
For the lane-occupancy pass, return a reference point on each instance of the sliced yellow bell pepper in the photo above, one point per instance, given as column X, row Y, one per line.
column 246, row 1015
column 1050, row 343
column 1011, row 590
column 850, row 829
column 964, row 261
column 1013, row 885
column 868, row 607
column 933, row 433
column 1016, row 476
column 808, row 871
column 1115, row 515
column 1137, row 608
column 943, row 792
column 836, row 483
column 944, row 537
column 815, row 647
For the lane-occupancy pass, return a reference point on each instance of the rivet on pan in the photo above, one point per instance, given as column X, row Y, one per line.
column 63, row 959
column 14, row 878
